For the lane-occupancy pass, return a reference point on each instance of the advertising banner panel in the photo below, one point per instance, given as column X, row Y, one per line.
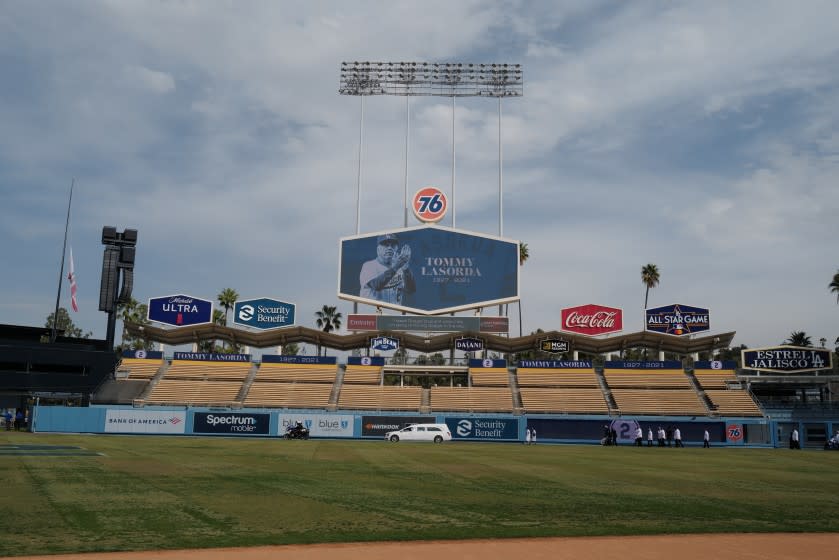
column 180, row 310
column 678, row 319
column 263, row 313
column 787, row 359
column 210, row 357
column 357, row 322
column 145, row 421
column 715, row 364
column 365, row 361
column 483, row 428
column 384, row 343
column 468, row 344
column 319, row 425
column 275, row 359
column 592, row 319
column 487, row 363
column 380, row 425
column 554, row 345
column 428, row 270
column 143, row 354
column 231, row 423
column 554, row 364
column 620, row 364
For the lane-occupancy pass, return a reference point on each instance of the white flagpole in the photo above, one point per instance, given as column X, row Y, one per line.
column 53, row 334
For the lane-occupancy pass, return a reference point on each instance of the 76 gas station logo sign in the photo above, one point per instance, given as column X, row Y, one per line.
column 430, row 204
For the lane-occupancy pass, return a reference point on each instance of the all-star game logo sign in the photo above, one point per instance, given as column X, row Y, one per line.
column 430, row 204
column 678, row 319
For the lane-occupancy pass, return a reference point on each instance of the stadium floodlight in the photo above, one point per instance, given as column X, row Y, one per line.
column 431, row 79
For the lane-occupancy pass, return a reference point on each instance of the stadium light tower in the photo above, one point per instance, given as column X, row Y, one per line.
column 431, row 79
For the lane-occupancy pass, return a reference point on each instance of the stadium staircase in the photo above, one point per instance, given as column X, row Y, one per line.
column 425, row 401
column 607, row 392
column 336, row 389
column 703, row 396
column 140, row 401
column 518, row 407
column 246, row 385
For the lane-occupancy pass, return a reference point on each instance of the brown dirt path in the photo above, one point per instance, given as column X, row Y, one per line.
column 797, row 546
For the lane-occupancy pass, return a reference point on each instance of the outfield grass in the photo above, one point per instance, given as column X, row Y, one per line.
column 149, row 492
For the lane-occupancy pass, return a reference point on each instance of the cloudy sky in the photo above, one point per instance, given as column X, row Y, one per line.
column 699, row 136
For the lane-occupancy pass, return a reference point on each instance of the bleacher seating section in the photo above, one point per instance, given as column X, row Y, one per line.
column 216, row 371
column 733, row 402
column 140, row 368
column 194, row 392
column 564, row 401
column 540, row 377
column 380, row 397
column 288, row 395
column 675, row 402
column 304, row 373
column 489, row 377
column 368, row 375
column 475, row 399
column 647, row 378
column 714, row 378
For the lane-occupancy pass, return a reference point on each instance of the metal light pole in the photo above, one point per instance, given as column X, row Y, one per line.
column 437, row 80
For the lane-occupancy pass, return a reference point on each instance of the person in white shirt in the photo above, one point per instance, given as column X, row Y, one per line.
column 639, row 435
column 794, row 439
column 527, row 436
column 677, row 435
column 706, row 440
column 649, row 437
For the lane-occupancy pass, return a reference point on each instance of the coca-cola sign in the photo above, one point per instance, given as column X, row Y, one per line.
column 592, row 319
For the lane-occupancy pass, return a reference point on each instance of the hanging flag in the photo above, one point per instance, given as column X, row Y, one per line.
column 72, row 278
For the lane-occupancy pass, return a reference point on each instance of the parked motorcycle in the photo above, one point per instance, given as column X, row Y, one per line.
column 296, row 431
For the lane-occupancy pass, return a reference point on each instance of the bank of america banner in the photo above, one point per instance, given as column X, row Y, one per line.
column 275, row 359
column 428, row 270
column 145, row 421
column 554, row 364
column 787, row 359
column 678, row 319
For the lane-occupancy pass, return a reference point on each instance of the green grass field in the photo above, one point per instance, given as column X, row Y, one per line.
column 184, row 492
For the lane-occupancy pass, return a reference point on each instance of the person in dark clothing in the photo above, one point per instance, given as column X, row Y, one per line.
column 18, row 419
column 614, row 436
column 669, row 435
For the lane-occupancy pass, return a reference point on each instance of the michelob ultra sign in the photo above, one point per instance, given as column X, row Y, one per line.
column 787, row 359
column 678, row 319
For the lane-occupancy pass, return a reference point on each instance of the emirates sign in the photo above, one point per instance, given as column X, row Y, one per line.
column 592, row 319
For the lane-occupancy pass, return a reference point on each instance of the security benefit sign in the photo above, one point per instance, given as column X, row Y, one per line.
column 231, row 423
column 180, row 310
column 786, row 359
column 678, row 319
column 263, row 313
column 429, row 270
column 483, row 428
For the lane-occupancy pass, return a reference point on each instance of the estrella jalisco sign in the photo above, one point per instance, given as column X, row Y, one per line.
column 678, row 319
column 263, row 313
column 787, row 359
column 180, row 310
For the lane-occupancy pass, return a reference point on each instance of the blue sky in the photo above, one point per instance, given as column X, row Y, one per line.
column 701, row 137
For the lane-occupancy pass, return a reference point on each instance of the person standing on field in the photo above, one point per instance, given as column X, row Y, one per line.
column 706, row 440
column 649, row 437
column 796, row 444
column 639, row 435
column 533, row 436
column 677, row 437
column 527, row 436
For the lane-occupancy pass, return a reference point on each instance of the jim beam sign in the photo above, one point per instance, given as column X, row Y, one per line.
column 554, row 345
column 786, row 359
column 592, row 320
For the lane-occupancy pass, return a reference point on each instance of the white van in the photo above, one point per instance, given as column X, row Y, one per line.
column 438, row 433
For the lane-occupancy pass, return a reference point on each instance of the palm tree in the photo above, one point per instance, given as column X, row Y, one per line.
column 524, row 254
column 227, row 299
column 328, row 319
column 834, row 285
column 799, row 338
column 650, row 278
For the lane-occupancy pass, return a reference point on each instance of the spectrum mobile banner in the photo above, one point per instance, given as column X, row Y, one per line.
column 231, row 423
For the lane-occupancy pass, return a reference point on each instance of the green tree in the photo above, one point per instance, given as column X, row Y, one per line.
column 227, row 299
column 834, row 285
column 63, row 322
column 211, row 345
column 291, row 349
column 133, row 312
column 799, row 338
column 328, row 320
column 524, row 254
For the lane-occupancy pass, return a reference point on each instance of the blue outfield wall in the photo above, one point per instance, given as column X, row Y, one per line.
column 99, row 419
